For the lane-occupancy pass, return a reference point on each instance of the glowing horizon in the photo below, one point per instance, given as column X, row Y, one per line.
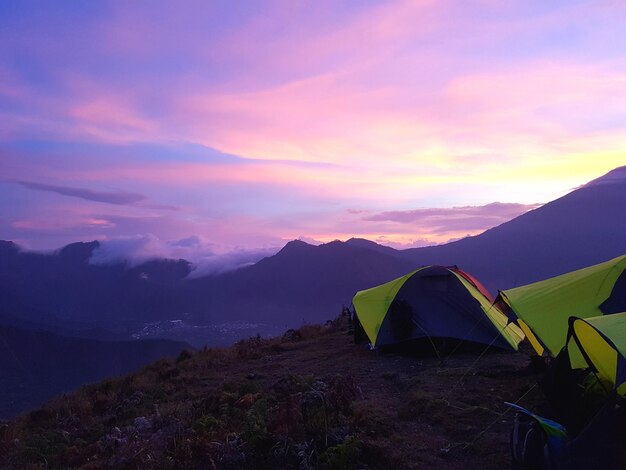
column 407, row 123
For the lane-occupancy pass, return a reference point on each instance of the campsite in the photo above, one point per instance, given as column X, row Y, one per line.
column 573, row 325
column 288, row 402
column 428, row 367
column 312, row 235
column 402, row 411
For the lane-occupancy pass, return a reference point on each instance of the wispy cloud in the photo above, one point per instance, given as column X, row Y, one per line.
column 206, row 257
column 118, row 197
column 455, row 219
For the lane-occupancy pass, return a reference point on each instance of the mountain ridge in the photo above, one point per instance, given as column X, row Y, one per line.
column 304, row 282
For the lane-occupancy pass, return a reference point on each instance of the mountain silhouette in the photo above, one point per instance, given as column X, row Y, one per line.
column 301, row 283
column 64, row 292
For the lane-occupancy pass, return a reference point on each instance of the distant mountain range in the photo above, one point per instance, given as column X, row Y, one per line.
column 63, row 292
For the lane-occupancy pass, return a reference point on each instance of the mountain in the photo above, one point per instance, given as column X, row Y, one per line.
column 370, row 245
column 64, row 292
column 584, row 227
column 36, row 365
column 301, row 283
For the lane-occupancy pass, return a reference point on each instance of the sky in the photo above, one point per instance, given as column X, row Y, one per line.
column 197, row 128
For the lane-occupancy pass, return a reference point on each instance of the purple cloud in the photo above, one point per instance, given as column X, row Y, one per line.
column 118, row 197
column 453, row 219
column 270, row 120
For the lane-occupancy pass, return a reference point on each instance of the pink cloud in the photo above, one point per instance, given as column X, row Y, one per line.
column 404, row 243
column 404, row 103
column 470, row 217
column 413, row 228
column 108, row 120
column 382, row 85
column 101, row 223
column 52, row 225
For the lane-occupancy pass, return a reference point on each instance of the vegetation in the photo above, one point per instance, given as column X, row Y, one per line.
column 309, row 399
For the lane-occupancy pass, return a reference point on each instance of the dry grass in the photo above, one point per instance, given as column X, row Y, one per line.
column 308, row 399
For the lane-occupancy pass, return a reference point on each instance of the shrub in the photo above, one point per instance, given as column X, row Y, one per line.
column 183, row 356
column 416, row 406
column 343, row 456
column 206, row 423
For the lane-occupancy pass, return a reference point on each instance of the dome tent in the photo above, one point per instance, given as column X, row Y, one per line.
column 599, row 343
column 433, row 302
column 542, row 309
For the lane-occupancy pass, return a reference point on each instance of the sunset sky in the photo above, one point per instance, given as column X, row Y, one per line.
column 210, row 126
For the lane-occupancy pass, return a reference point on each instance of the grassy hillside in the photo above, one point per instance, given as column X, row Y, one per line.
column 311, row 399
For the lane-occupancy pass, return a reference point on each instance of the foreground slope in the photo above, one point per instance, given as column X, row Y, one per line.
column 310, row 399
column 585, row 227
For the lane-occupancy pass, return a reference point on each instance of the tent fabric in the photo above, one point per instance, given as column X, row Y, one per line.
column 475, row 282
column 545, row 306
column 433, row 302
column 600, row 343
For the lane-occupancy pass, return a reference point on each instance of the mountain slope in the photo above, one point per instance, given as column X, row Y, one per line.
column 585, row 227
column 301, row 283
column 64, row 292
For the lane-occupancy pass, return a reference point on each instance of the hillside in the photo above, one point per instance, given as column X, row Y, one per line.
column 297, row 284
column 311, row 399
column 64, row 293
column 36, row 366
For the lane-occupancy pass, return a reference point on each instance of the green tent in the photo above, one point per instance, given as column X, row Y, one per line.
column 599, row 343
column 542, row 309
column 433, row 302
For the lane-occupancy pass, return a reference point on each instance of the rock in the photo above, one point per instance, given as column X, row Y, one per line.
column 142, row 424
column 110, row 441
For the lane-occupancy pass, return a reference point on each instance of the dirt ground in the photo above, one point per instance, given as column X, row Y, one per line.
column 423, row 414
column 254, row 406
